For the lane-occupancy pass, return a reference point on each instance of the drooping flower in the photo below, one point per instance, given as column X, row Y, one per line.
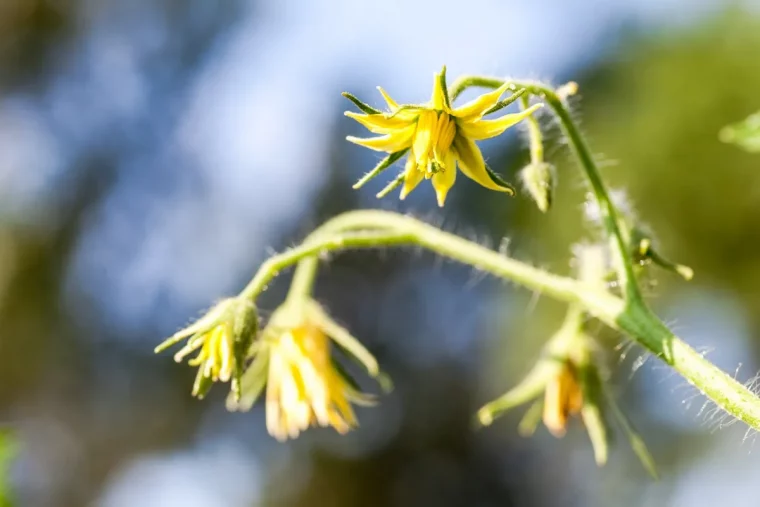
column 569, row 378
column 438, row 136
column 305, row 385
column 221, row 337
column 563, row 398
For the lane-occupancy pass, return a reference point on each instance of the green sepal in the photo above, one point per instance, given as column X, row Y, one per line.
column 644, row 253
column 530, row 387
column 505, row 102
column 252, row 384
column 365, row 108
column 210, row 319
column 592, row 411
column 444, row 87
column 530, row 421
column 405, row 107
column 390, row 187
column 202, row 384
column 499, row 180
column 380, row 167
column 342, row 337
column 634, row 439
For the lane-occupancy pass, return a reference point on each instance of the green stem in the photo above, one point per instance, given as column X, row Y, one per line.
column 303, row 278
column 636, row 318
column 353, row 230
column 619, row 238
column 307, row 254
column 721, row 388
column 534, row 134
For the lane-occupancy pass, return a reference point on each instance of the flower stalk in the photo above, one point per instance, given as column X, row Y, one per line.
column 437, row 136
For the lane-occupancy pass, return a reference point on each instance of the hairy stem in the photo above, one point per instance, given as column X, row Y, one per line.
column 307, row 253
column 619, row 238
column 371, row 228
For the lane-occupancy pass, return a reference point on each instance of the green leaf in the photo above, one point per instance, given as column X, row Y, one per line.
column 745, row 134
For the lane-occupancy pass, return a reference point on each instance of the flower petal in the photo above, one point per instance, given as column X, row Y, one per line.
column 251, row 385
column 477, row 107
column 472, row 164
column 392, row 104
column 424, row 137
column 444, row 179
column 412, row 177
column 485, row 129
column 394, row 141
column 343, row 338
column 379, row 123
column 438, row 100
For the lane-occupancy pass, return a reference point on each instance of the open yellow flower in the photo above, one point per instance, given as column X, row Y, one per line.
column 438, row 137
column 304, row 385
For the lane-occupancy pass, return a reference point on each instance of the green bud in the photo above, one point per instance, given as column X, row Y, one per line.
column 539, row 179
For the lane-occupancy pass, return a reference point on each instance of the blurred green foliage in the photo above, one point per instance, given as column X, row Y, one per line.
column 745, row 134
column 7, row 453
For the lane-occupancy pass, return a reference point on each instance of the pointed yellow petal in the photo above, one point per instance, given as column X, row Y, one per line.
column 439, row 100
column 412, row 177
column 444, row 179
column 485, row 129
column 378, row 123
column 392, row 104
column 475, row 108
column 445, row 133
column 424, row 138
column 472, row 164
column 555, row 415
column 392, row 142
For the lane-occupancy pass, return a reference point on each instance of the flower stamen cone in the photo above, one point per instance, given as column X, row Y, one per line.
column 439, row 137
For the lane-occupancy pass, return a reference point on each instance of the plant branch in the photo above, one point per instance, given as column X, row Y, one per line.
column 619, row 237
column 372, row 228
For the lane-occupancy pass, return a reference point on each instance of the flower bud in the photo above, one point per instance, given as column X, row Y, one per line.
column 222, row 338
column 540, row 179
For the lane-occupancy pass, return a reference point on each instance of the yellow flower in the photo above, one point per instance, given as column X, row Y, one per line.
column 221, row 335
column 563, row 397
column 438, row 137
column 305, row 386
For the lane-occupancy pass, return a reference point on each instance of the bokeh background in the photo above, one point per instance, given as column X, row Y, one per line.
column 152, row 153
